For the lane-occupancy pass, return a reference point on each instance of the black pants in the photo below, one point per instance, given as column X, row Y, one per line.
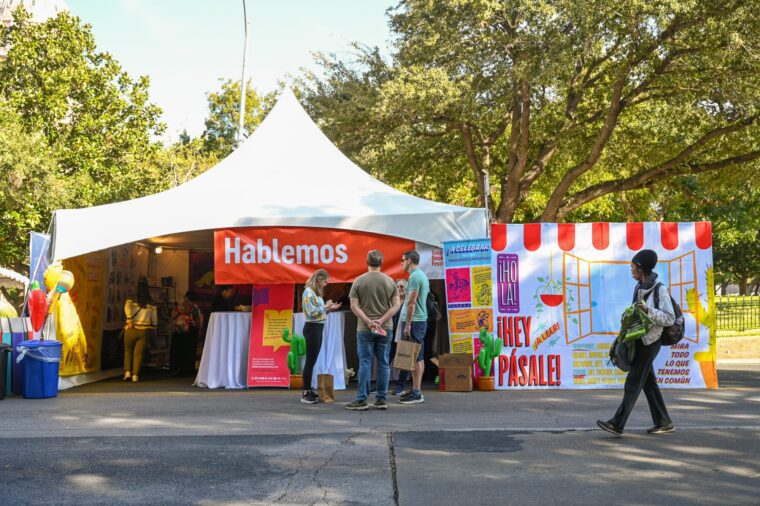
column 312, row 332
column 182, row 351
column 641, row 376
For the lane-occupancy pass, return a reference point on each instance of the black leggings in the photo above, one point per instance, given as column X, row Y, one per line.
column 312, row 332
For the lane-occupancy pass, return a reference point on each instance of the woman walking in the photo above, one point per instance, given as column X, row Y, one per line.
column 141, row 324
column 641, row 375
column 315, row 310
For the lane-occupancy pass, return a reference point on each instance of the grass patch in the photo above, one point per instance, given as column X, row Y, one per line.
column 738, row 333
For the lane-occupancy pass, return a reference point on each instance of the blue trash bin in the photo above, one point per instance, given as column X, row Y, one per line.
column 39, row 363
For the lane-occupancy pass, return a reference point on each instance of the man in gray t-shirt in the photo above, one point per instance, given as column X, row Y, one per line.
column 374, row 301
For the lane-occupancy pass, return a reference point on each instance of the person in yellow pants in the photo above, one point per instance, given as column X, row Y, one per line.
column 141, row 324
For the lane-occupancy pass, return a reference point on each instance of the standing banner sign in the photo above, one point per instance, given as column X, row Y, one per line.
column 467, row 266
column 87, row 295
column 292, row 254
column 559, row 291
column 267, row 352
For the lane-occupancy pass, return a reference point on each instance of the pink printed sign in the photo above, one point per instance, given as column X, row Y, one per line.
column 458, row 285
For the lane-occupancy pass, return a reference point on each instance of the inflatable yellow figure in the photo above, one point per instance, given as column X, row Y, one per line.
column 68, row 327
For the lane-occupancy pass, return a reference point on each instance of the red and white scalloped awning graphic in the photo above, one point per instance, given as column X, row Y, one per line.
column 568, row 235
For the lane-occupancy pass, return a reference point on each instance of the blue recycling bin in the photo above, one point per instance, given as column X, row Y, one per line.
column 39, row 364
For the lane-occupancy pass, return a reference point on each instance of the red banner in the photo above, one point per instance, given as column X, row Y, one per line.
column 292, row 254
column 267, row 352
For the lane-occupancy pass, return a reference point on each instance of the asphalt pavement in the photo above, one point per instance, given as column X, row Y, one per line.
column 162, row 441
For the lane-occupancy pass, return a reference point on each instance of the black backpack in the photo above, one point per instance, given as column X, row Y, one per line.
column 673, row 334
column 433, row 311
column 621, row 354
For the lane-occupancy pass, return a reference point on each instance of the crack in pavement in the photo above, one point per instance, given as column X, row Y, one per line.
column 291, row 477
column 392, row 459
column 347, row 441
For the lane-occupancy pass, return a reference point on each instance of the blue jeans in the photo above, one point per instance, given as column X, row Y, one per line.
column 367, row 345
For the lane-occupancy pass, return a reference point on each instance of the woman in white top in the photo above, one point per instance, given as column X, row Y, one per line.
column 141, row 324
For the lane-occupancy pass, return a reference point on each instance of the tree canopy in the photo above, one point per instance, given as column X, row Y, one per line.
column 220, row 135
column 553, row 109
column 93, row 114
column 75, row 129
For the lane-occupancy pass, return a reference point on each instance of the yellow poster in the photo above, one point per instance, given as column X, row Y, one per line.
column 470, row 320
column 80, row 316
column 481, row 286
column 274, row 323
column 461, row 343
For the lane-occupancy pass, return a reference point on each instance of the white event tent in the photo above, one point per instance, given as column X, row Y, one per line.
column 287, row 173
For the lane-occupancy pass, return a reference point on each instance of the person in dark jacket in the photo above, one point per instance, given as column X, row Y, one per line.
column 188, row 320
column 224, row 300
column 641, row 375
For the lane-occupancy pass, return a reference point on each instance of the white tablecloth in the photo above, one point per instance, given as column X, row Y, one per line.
column 225, row 352
column 224, row 362
column 332, row 355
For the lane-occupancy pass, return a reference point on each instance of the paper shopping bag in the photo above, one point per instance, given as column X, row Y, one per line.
column 406, row 355
column 326, row 385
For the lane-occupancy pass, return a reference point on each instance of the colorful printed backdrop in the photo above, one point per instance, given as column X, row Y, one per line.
column 558, row 293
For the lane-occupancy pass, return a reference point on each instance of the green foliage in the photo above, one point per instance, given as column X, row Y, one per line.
column 491, row 348
column 181, row 162
column 75, row 130
column 731, row 201
column 91, row 113
column 31, row 186
column 297, row 350
column 220, row 136
column 567, row 110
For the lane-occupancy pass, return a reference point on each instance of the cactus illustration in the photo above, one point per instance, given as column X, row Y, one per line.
column 702, row 315
column 491, row 348
column 297, row 350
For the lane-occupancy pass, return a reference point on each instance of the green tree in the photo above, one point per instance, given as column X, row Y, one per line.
column 95, row 117
column 554, row 109
column 182, row 161
column 220, row 135
column 731, row 201
column 31, row 187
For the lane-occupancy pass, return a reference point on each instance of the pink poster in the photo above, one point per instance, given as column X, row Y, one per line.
column 268, row 353
column 458, row 285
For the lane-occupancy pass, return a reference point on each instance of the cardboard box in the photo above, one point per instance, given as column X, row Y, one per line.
column 454, row 372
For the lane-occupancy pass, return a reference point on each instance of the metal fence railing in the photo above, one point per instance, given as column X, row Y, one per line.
column 737, row 312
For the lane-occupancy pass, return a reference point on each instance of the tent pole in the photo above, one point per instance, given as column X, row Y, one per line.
column 243, row 87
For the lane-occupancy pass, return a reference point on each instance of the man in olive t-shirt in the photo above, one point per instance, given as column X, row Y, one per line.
column 374, row 301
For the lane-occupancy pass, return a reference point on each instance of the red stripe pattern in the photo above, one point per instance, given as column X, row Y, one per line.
column 703, row 234
column 566, row 236
column 634, row 236
column 600, row 235
column 532, row 236
column 498, row 236
column 669, row 235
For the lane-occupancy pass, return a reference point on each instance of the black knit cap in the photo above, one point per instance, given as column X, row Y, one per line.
column 646, row 259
